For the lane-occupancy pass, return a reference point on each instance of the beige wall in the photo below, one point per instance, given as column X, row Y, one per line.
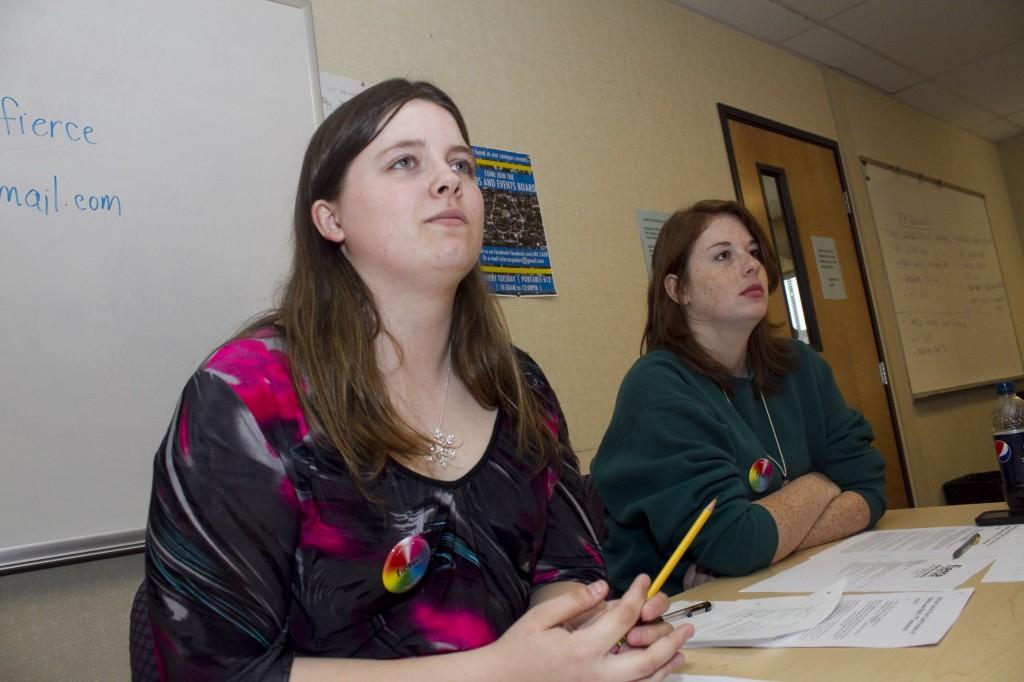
column 944, row 436
column 1011, row 153
column 616, row 104
column 615, row 101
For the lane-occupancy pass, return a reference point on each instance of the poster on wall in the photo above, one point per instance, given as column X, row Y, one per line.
column 515, row 258
column 650, row 223
column 829, row 270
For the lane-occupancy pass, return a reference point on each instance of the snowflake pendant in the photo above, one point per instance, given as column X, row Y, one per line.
column 442, row 450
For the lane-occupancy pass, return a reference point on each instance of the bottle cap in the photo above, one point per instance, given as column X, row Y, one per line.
column 1005, row 388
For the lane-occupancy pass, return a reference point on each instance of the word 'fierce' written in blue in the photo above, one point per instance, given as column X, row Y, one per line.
column 45, row 202
column 16, row 123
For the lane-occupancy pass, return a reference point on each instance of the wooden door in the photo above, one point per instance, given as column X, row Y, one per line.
column 803, row 171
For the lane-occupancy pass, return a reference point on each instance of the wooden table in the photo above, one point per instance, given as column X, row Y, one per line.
column 986, row 643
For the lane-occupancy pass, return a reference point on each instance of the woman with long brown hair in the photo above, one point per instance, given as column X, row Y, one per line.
column 719, row 407
column 372, row 470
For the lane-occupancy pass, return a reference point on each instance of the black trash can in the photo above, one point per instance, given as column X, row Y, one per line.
column 985, row 486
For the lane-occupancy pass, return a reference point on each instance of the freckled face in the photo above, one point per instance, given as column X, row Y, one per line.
column 726, row 285
column 410, row 208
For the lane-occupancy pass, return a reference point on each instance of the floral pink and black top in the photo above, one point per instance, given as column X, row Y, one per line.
column 260, row 548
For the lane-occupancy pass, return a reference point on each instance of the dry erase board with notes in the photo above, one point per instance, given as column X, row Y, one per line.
column 946, row 282
column 149, row 152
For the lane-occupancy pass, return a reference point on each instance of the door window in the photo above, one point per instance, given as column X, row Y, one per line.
column 799, row 302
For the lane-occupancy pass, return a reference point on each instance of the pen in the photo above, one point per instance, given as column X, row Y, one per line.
column 689, row 611
column 673, row 560
column 971, row 541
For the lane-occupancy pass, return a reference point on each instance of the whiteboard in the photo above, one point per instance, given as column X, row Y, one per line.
column 149, row 153
column 947, row 286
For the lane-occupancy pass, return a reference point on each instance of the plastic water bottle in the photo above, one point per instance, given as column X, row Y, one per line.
column 1008, row 436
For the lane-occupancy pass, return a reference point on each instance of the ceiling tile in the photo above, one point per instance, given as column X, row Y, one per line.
column 1017, row 118
column 944, row 105
column 819, row 9
column 999, row 129
column 995, row 82
column 760, row 18
column 934, row 36
column 833, row 49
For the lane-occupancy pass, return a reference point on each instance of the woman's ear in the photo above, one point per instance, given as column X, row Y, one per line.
column 325, row 216
column 674, row 291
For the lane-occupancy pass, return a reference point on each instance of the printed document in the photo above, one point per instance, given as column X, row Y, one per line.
column 910, row 560
column 940, row 542
column 883, row 621
column 875, row 574
column 872, row 621
column 744, row 622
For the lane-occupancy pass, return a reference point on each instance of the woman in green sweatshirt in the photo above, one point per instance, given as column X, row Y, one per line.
column 718, row 407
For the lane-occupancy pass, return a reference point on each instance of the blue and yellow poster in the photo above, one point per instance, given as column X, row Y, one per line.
column 515, row 257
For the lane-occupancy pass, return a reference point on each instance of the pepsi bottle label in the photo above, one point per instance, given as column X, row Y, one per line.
column 1010, row 455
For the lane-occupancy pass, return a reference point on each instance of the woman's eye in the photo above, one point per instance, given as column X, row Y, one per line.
column 404, row 162
column 462, row 166
column 722, row 255
column 756, row 253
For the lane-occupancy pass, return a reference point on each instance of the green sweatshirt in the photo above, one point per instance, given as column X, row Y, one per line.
column 676, row 441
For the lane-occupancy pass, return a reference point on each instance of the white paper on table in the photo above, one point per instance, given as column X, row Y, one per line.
column 883, row 621
column 875, row 573
column 1008, row 549
column 1008, row 567
column 918, row 543
column 743, row 622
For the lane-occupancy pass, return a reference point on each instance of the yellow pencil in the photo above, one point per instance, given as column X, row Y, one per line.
column 673, row 560
column 684, row 545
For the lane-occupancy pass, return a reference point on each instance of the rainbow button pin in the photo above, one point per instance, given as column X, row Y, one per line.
column 760, row 475
column 406, row 564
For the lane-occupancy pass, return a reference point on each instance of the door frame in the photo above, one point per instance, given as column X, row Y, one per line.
column 728, row 113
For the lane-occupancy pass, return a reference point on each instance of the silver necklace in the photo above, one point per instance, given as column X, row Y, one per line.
column 785, row 471
column 782, row 465
column 442, row 450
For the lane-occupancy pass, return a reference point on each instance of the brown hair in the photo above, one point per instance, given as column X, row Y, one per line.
column 667, row 328
column 330, row 321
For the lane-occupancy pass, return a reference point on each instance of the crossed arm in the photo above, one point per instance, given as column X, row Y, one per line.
column 811, row 511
